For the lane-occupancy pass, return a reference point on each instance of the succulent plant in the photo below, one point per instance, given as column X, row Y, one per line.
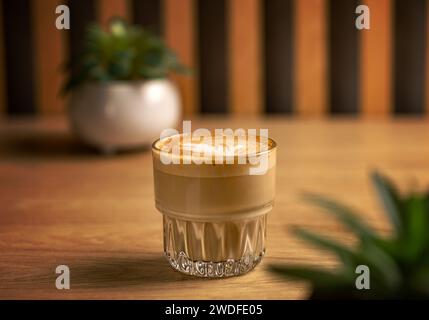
column 124, row 52
column 398, row 262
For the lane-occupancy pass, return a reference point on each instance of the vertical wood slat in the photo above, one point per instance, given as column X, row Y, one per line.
column 278, row 55
column 245, row 57
column 310, row 91
column 427, row 63
column 107, row 9
column 82, row 14
column 2, row 66
column 18, row 44
column 147, row 13
column 343, row 57
column 213, row 55
column 50, row 51
column 180, row 36
column 410, row 28
column 376, row 61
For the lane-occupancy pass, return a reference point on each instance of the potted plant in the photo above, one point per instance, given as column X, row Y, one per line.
column 398, row 264
column 121, row 97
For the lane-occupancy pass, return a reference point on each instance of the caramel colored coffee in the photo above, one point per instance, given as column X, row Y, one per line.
column 214, row 212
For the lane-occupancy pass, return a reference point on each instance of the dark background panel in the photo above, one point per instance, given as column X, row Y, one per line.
column 213, row 55
column 409, row 52
column 82, row 14
column 343, row 57
column 18, row 38
column 147, row 13
column 278, row 55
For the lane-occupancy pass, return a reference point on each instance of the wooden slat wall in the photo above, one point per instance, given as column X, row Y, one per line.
column 107, row 9
column 213, row 55
column 310, row 43
column 376, row 61
column 278, row 55
column 410, row 28
column 50, row 55
column 2, row 66
column 343, row 57
column 148, row 13
column 82, row 13
column 245, row 57
column 427, row 63
column 179, row 32
column 248, row 57
column 19, row 46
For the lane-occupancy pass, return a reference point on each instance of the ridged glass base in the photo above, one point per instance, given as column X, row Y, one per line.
column 214, row 249
column 205, row 269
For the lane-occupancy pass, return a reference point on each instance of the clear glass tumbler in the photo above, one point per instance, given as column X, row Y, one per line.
column 214, row 214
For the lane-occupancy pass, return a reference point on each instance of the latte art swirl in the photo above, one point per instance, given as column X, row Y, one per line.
column 186, row 148
column 219, row 149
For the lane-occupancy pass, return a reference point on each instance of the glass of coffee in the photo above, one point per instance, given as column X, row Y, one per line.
column 214, row 196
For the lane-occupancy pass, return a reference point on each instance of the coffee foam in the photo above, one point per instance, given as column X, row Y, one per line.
column 216, row 145
column 242, row 153
column 221, row 148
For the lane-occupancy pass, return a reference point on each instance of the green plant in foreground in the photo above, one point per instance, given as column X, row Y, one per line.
column 398, row 263
column 124, row 52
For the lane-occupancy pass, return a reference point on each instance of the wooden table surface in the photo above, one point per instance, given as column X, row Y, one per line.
column 61, row 203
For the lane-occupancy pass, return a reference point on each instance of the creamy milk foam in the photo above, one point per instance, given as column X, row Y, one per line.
column 214, row 211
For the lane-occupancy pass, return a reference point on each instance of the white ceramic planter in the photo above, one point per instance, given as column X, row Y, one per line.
column 123, row 115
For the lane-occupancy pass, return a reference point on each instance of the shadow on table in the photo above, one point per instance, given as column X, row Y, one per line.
column 124, row 272
column 37, row 144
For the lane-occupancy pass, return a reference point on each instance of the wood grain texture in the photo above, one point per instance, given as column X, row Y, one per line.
column 376, row 61
column 245, row 57
column 179, row 32
column 49, row 55
column 310, row 58
column 108, row 9
column 64, row 204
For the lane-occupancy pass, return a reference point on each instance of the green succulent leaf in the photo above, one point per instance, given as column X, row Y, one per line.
column 372, row 256
column 344, row 214
column 385, row 270
column 124, row 52
column 118, row 28
column 416, row 232
column 345, row 254
column 390, row 200
column 398, row 264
